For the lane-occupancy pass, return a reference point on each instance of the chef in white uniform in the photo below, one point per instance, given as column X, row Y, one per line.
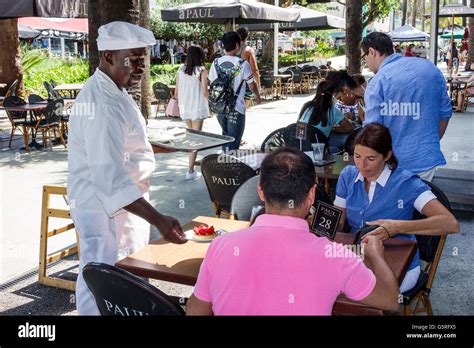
column 111, row 160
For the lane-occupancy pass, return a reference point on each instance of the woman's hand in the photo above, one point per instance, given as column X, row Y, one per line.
column 386, row 230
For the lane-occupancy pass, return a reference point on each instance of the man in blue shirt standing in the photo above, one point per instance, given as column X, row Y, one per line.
column 409, row 96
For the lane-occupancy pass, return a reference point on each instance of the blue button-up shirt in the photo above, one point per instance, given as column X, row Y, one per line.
column 394, row 195
column 409, row 96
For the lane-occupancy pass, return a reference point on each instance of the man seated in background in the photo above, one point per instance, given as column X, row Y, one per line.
column 277, row 266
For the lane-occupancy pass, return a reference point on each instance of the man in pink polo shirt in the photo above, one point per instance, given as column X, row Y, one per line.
column 277, row 267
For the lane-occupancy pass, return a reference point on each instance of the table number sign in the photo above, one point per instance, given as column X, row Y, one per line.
column 325, row 221
column 301, row 130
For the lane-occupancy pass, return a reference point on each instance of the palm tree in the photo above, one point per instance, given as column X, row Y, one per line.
column 353, row 35
column 413, row 15
column 10, row 61
column 404, row 12
column 470, row 57
column 106, row 11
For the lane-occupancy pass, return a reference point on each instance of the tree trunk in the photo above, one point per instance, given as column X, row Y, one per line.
column 470, row 57
column 464, row 19
column 103, row 12
column 423, row 9
column 145, row 22
column 267, row 54
column 413, row 15
column 10, row 61
column 404, row 12
column 353, row 35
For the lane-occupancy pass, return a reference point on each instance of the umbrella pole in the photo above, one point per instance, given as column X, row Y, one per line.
column 451, row 52
column 296, row 56
column 233, row 24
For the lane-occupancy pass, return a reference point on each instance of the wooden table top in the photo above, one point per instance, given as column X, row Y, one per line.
column 3, row 85
column 26, row 107
column 69, row 87
column 180, row 263
column 332, row 171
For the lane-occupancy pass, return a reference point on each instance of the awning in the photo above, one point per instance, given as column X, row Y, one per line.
column 225, row 11
column 408, row 33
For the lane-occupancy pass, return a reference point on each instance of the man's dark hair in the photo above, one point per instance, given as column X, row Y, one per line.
column 379, row 41
column 286, row 176
column 230, row 41
column 243, row 33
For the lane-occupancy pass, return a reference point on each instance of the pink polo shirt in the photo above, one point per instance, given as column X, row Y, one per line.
column 277, row 267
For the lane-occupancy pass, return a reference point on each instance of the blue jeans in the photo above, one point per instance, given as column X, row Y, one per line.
column 233, row 126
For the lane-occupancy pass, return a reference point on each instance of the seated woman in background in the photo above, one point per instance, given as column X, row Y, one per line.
column 349, row 89
column 323, row 115
column 376, row 192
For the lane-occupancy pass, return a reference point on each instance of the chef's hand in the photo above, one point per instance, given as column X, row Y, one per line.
column 170, row 229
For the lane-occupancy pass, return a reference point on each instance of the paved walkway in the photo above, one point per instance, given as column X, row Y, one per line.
column 22, row 176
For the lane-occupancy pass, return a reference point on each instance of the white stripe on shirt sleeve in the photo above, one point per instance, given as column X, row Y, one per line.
column 340, row 202
column 422, row 199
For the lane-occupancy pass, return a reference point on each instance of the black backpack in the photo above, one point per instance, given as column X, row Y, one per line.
column 222, row 99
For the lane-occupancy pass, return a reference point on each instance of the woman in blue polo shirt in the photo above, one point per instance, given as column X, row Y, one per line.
column 376, row 192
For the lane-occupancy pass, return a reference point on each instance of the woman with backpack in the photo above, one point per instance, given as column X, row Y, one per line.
column 192, row 93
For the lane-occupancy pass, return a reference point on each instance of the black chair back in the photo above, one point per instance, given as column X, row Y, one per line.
column 53, row 112
column 34, row 98
column 349, row 143
column 267, row 81
column 322, row 196
column 245, row 199
column 12, row 89
column 223, row 175
column 52, row 94
column 120, row 293
column 297, row 75
column 53, row 83
column 15, row 101
column 161, row 91
column 286, row 137
column 427, row 245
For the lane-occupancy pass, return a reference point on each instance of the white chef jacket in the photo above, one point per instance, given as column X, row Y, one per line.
column 110, row 165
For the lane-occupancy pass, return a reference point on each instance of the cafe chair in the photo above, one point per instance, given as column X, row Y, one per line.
column 268, row 85
column 50, row 122
column 286, row 84
column 120, row 293
column 223, row 175
column 245, row 199
column 162, row 95
column 52, row 94
column 431, row 248
column 286, row 137
column 349, row 143
column 18, row 119
column 10, row 92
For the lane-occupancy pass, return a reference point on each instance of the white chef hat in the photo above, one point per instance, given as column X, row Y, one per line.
column 115, row 36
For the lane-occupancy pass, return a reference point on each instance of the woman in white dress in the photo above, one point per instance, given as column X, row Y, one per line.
column 192, row 93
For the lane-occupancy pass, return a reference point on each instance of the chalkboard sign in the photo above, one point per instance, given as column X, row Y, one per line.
column 325, row 221
column 301, row 130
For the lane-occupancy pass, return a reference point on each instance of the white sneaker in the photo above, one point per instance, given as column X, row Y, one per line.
column 193, row 176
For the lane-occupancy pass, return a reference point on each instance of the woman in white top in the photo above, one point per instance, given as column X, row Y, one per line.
column 192, row 93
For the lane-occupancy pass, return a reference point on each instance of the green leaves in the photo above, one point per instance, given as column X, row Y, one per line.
column 61, row 71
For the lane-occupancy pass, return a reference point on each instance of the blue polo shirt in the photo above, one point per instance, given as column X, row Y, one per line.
column 408, row 95
column 394, row 195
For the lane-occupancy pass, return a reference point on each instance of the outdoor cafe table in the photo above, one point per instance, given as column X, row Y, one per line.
column 180, row 263
column 72, row 88
column 28, row 108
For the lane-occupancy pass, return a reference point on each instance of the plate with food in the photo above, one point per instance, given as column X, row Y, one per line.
column 202, row 233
